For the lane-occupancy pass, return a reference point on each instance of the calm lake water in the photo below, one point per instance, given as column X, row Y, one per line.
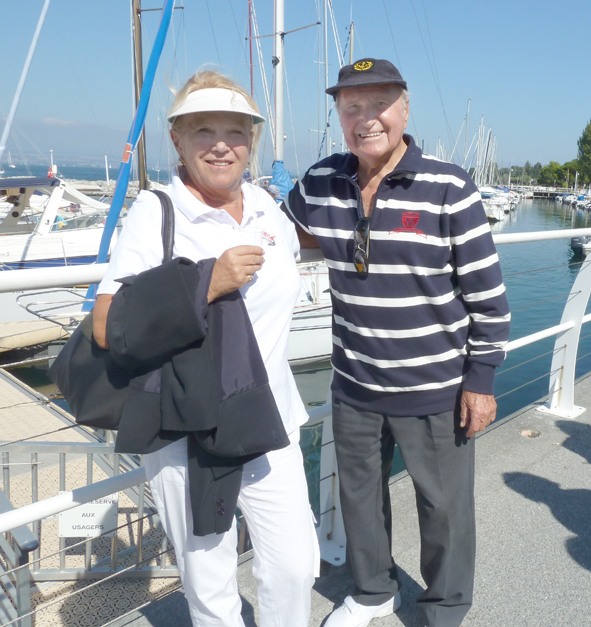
column 79, row 172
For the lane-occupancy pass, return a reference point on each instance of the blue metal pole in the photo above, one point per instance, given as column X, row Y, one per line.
column 132, row 140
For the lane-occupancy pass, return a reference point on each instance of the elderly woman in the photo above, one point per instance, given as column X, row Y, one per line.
column 252, row 247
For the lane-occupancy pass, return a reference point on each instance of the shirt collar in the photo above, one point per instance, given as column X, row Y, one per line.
column 193, row 208
column 410, row 161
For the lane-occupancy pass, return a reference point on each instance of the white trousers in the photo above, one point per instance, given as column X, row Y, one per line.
column 274, row 500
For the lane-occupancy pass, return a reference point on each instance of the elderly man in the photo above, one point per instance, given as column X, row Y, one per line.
column 420, row 320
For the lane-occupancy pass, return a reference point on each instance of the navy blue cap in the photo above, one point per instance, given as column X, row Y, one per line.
column 367, row 72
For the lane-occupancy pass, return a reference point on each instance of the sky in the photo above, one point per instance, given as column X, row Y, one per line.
column 519, row 66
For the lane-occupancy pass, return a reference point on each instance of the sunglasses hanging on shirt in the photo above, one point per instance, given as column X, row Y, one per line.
column 361, row 250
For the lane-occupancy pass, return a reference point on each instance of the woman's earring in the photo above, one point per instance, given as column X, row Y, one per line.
column 181, row 161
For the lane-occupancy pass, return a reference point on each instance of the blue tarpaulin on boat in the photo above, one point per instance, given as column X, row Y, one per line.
column 281, row 178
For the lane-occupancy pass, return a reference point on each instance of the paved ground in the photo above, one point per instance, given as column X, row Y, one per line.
column 533, row 497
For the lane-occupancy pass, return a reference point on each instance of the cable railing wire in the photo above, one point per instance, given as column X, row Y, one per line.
column 311, row 483
column 330, row 509
column 528, row 383
column 562, row 265
column 552, row 352
column 82, row 542
column 541, row 302
column 92, row 585
column 39, row 435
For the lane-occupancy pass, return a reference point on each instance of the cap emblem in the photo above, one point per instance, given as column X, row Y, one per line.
column 361, row 66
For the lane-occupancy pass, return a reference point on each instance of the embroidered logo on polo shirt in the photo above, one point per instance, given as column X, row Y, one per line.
column 361, row 66
column 410, row 219
column 270, row 239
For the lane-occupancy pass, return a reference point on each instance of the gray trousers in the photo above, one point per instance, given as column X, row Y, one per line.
column 440, row 462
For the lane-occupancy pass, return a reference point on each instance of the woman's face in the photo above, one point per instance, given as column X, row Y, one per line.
column 215, row 147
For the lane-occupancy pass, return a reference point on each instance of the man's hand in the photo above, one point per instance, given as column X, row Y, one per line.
column 477, row 411
column 235, row 268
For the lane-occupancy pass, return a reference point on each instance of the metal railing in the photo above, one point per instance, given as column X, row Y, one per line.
column 14, row 576
column 330, row 530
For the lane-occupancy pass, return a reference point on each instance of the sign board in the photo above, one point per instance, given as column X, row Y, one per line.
column 90, row 519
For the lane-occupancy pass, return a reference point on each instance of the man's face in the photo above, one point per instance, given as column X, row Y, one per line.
column 373, row 119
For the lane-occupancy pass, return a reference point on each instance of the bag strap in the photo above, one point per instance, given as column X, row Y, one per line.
column 167, row 224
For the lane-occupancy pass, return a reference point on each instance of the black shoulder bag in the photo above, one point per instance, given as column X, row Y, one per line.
column 94, row 386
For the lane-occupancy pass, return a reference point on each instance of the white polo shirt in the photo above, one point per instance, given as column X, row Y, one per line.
column 202, row 233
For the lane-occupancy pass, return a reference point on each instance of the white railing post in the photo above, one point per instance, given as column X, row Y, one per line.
column 562, row 372
column 331, row 533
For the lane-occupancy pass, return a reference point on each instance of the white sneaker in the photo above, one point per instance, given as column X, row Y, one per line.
column 353, row 614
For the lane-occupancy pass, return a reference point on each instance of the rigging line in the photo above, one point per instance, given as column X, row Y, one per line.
column 163, row 110
column 243, row 43
column 412, row 117
column 215, row 43
column 15, row 131
column 432, row 72
column 266, row 94
column 295, row 148
column 335, row 32
column 392, row 35
column 431, row 45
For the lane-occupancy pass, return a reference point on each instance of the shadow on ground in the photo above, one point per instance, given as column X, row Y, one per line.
column 335, row 583
column 571, row 508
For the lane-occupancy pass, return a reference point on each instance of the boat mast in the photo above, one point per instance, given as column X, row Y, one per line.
column 327, row 144
column 351, row 39
column 139, row 80
column 23, row 78
column 278, row 70
column 250, row 42
column 466, row 138
column 107, row 169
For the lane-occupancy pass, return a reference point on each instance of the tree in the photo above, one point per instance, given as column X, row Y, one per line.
column 552, row 175
column 570, row 169
column 584, row 155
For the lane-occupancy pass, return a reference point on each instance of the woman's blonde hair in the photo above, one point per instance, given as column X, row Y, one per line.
column 210, row 79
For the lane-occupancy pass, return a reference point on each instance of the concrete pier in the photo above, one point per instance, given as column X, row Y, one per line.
column 533, row 507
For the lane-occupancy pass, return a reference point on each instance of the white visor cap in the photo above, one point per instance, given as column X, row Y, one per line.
column 206, row 100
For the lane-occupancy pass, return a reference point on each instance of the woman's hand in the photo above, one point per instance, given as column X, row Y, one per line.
column 99, row 319
column 235, row 268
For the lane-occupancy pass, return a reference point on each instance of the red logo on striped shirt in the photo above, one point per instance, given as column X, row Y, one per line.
column 410, row 219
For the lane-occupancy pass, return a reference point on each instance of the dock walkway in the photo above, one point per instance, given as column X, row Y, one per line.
column 533, row 499
column 533, row 507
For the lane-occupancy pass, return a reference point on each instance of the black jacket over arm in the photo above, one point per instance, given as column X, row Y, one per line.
column 200, row 374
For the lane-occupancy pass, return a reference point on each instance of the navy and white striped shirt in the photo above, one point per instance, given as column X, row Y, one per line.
column 431, row 316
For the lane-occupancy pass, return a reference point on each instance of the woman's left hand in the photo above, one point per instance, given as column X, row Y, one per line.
column 235, row 268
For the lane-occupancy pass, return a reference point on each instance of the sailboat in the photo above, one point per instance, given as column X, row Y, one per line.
column 10, row 164
column 310, row 338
